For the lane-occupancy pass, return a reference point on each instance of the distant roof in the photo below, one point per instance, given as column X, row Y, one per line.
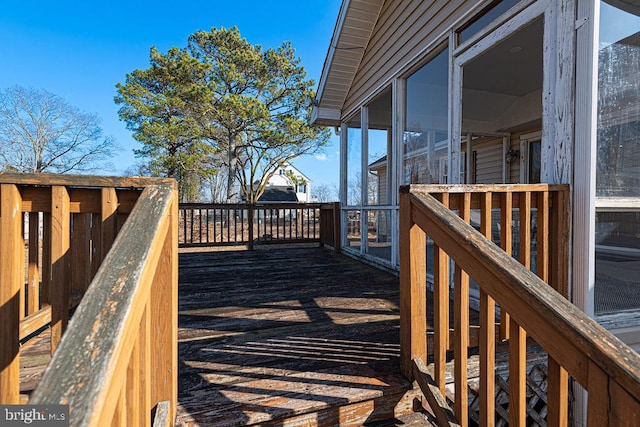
column 278, row 194
column 378, row 164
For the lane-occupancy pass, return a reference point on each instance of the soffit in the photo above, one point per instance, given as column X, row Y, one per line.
column 351, row 35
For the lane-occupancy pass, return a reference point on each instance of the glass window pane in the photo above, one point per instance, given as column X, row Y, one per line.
column 354, row 163
column 618, row 161
column 618, row 156
column 425, row 127
column 379, row 144
column 617, row 262
column 354, row 237
column 484, row 18
column 379, row 234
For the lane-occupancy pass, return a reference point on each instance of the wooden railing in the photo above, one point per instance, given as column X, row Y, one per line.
column 330, row 230
column 576, row 345
column 204, row 224
column 111, row 244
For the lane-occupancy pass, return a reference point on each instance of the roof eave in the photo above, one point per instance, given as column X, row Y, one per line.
column 325, row 116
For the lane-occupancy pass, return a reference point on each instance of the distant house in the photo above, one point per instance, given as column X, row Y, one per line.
column 287, row 185
column 494, row 92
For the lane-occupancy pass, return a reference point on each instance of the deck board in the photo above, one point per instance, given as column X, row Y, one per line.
column 287, row 337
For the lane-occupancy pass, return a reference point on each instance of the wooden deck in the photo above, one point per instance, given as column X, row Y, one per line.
column 288, row 336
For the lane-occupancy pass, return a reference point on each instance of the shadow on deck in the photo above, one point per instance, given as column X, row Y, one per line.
column 296, row 336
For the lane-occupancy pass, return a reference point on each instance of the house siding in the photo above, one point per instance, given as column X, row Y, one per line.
column 403, row 31
column 489, row 162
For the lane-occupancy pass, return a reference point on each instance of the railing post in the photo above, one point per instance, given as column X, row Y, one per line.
column 413, row 289
column 559, row 267
column 336, row 228
column 11, row 282
column 60, row 247
column 250, row 213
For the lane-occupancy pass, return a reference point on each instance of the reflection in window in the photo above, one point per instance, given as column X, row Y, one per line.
column 618, row 162
column 354, row 164
column 425, row 127
column 378, row 154
column 617, row 261
column 379, row 234
column 485, row 17
column 534, row 162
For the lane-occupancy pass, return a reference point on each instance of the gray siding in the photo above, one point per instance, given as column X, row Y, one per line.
column 489, row 162
column 404, row 29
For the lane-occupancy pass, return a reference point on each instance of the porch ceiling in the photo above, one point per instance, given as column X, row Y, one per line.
column 355, row 24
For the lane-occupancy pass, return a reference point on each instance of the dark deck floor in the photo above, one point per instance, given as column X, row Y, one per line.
column 287, row 337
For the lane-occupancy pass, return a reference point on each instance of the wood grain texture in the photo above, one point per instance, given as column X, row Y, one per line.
column 12, row 280
column 487, row 332
column 108, row 221
column 110, row 314
column 413, row 298
column 60, row 258
column 574, row 340
column 557, row 395
column 517, row 375
column 33, row 270
column 81, row 180
column 598, row 406
column 441, row 309
column 164, row 315
column 437, row 402
column 461, row 326
column 264, row 341
column 506, row 243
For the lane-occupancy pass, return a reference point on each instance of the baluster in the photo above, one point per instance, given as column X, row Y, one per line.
column 517, row 374
column 81, row 252
column 487, row 332
column 625, row 409
column 557, row 394
column 132, row 389
column 33, row 298
column 461, row 326
column 559, row 249
column 108, row 220
column 145, row 366
column 506, row 243
column 542, row 268
column 441, row 308
column 598, row 399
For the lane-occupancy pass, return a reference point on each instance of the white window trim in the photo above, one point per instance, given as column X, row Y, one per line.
column 525, row 140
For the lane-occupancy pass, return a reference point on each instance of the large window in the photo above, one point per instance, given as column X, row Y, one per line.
column 618, row 162
column 368, row 184
column 426, row 120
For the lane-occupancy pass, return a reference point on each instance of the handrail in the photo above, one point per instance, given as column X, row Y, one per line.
column 90, row 181
column 108, row 345
column 576, row 344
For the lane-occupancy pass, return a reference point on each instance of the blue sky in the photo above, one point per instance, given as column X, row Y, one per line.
column 81, row 49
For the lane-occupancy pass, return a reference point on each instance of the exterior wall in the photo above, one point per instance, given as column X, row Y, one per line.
column 488, row 162
column 404, row 29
